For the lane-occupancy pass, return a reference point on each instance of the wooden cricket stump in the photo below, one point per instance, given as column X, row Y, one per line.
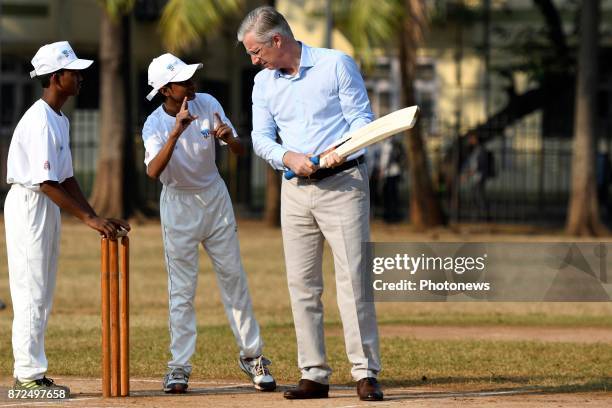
column 115, row 316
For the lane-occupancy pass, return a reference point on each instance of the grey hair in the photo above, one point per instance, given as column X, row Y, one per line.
column 264, row 22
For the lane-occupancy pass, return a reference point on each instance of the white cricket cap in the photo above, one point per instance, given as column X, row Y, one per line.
column 53, row 57
column 168, row 68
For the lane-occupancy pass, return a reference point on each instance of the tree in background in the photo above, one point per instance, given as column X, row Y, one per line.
column 543, row 53
column 397, row 26
column 273, row 186
column 183, row 24
column 547, row 55
column 583, row 211
column 108, row 196
column 425, row 210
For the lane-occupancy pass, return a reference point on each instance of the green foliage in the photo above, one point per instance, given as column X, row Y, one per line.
column 117, row 8
column 184, row 23
column 368, row 24
column 530, row 50
column 445, row 12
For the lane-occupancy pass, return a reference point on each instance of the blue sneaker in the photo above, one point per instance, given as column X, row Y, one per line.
column 175, row 381
column 258, row 372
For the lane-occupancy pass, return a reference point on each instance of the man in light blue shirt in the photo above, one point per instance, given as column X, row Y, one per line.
column 311, row 109
column 312, row 97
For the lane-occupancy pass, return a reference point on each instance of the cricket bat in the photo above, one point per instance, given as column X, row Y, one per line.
column 371, row 133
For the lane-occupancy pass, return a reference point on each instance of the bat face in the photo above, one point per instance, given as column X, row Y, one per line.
column 374, row 132
column 371, row 133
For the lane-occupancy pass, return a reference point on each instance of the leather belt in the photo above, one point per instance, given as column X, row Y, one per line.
column 330, row 171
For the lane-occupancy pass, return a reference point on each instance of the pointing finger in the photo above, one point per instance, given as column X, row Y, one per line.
column 184, row 105
column 218, row 121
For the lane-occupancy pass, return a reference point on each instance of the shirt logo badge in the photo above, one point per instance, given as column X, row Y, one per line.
column 46, row 165
column 205, row 133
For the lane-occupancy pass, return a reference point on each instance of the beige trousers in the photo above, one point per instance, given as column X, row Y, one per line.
column 335, row 209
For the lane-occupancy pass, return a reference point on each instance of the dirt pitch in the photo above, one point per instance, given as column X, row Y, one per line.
column 147, row 393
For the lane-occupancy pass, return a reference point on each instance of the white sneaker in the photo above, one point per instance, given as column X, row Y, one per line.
column 175, row 381
column 257, row 369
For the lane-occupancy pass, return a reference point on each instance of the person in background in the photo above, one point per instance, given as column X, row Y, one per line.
column 392, row 164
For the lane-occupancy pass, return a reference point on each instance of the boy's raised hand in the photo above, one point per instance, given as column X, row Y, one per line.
column 221, row 131
column 183, row 117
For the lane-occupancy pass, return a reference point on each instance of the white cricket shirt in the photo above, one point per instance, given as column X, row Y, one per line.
column 40, row 148
column 192, row 165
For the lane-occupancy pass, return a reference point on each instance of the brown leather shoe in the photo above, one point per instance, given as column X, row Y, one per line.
column 369, row 389
column 307, row 389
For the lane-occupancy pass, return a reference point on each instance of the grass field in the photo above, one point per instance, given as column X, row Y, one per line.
column 73, row 341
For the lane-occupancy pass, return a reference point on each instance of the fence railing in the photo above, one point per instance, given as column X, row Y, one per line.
column 531, row 182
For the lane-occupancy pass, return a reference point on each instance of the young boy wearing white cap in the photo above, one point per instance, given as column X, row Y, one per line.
column 195, row 208
column 39, row 170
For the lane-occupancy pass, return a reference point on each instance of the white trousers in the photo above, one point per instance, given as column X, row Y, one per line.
column 189, row 218
column 335, row 209
column 32, row 223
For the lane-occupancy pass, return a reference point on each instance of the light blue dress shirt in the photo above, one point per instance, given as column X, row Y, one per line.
column 310, row 110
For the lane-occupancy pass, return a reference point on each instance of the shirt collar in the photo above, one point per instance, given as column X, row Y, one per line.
column 306, row 61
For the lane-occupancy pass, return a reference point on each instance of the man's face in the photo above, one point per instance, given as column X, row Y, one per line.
column 177, row 91
column 69, row 81
column 265, row 55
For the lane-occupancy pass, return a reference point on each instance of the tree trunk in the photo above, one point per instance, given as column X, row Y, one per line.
column 425, row 211
column 583, row 214
column 272, row 210
column 107, row 196
column 273, row 186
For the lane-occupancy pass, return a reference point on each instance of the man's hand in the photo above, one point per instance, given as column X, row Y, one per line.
column 299, row 163
column 333, row 160
column 183, row 118
column 222, row 131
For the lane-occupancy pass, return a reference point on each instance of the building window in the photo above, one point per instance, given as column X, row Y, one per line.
column 384, row 89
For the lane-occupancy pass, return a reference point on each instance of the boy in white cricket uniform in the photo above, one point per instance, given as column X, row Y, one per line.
column 195, row 207
column 39, row 169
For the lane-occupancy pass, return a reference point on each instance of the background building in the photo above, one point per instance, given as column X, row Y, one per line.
column 460, row 83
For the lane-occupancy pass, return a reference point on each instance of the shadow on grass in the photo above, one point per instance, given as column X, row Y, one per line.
column 599, row 384
column 524, row 385
column 393, row 393
column 216, row 390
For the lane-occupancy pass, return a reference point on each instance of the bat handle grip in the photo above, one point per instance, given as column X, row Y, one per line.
column 289, row 174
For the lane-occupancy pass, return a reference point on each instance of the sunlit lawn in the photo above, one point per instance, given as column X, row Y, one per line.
column 73, row 342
